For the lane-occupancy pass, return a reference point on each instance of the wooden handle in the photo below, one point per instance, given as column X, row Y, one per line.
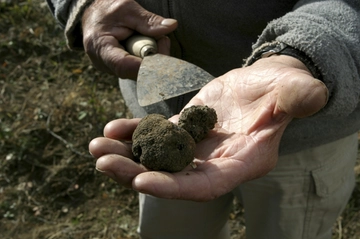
column 141, row 46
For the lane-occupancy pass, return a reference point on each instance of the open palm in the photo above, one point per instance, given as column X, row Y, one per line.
column 254, row 105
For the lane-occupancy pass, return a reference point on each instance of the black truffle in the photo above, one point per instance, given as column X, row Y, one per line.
column 161, row 145
column 198, row 120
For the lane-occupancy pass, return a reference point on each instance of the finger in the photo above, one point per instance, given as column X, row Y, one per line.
column 121, row 129
column 186, row 185
column 102, row 146
column 202, row 184
column 302, row 96
column 174, row 119
column 128, row 14
column 148, row 23
column 133, row 16
column 164, row 45
column 249, row 160
column 119, row 168
column 107, row 55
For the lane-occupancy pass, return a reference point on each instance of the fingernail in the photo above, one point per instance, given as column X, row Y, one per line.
column 107, row 173
column 168, row 22
column 327, row 95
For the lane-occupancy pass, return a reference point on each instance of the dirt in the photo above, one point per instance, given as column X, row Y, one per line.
column 52, row 103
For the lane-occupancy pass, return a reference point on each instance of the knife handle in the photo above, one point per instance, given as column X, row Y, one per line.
column 141, row 46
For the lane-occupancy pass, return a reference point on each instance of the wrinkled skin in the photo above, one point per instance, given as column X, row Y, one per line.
column 106, row 23
column 254, row 105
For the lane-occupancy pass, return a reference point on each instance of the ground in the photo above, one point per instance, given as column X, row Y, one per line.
column 52, row 103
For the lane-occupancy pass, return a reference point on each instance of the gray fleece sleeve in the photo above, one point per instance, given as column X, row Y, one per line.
column 328, row 32
column 68, row 13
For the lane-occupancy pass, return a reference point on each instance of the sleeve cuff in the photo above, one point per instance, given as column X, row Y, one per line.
column 73, row 31
column 280, row 48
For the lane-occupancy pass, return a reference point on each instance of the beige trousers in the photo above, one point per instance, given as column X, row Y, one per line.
column 300, row 199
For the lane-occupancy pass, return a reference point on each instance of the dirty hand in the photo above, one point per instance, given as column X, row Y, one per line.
column 105, row 23
column 254, row 105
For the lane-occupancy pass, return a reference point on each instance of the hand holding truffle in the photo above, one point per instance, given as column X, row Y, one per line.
column 253, row 105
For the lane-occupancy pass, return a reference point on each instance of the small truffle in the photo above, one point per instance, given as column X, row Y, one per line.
column 198, row 120
column 162, row 145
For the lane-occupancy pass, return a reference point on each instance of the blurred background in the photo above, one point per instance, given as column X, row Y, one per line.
column 52, row 103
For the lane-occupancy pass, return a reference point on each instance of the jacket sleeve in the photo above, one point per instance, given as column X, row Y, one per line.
column 327, row 31
column 68, row 13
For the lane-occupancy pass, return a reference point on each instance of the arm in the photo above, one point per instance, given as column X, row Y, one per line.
column 329, row 33
column 254, row 105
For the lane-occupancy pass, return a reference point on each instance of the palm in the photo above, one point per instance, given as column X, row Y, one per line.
column 247, row 112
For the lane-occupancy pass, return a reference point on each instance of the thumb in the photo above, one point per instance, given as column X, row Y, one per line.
column 302, row 96
column 150, row 24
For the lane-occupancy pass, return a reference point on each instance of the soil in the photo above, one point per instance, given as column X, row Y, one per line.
column 52, row 103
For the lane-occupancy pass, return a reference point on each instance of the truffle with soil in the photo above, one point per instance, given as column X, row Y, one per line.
column 161, row 145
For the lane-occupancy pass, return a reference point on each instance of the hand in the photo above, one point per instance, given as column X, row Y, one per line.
column 254, row 105
column 105, row 23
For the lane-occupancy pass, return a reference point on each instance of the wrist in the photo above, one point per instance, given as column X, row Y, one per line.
column 281, row 49
column 289, row 61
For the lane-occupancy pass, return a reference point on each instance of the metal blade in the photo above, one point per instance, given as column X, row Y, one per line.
column 163, row 77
